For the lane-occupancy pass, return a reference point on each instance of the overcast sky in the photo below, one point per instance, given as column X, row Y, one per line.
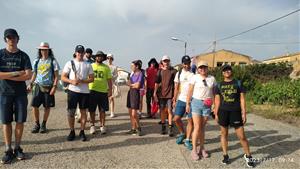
column 141, row 29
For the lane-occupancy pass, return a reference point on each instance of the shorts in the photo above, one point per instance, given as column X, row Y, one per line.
column 133, row 99
column 180, row 109
column 230, row 118
column 77, row 98
column 165, row 102
column 13, row 106
column 199, row 109
column 99, row 99
column 39, row 97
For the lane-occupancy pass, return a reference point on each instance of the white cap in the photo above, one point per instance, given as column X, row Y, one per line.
column 165, row 57
column 109, row 55
column 202, row 63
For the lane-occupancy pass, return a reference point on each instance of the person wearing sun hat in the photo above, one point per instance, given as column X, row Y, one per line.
column 15, row 69
column 43, row 84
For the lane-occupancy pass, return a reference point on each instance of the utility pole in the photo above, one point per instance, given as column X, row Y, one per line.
column 214, row 52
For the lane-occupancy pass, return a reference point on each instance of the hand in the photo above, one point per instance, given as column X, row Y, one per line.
column 53, row 90
column 109, row 94
column 75, row 82
column 244, row 118
column 174, row 103
column 22, row 72
column 188, row 108
column 155, row 98
column 29, row 88
column 216, row 118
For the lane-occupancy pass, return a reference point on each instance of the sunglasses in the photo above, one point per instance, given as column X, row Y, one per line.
column 202, row 67
column 166, row 61
column 205, row 83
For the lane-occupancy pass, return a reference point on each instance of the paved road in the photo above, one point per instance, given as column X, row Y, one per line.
column 274, row 144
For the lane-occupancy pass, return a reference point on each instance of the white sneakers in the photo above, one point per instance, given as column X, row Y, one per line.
column 112, row 115
column 103, row 130
column 93, row 130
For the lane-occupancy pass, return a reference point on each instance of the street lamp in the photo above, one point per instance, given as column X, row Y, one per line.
column 185, row 43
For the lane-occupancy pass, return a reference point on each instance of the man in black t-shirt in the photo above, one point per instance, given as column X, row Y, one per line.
column 230, row 110
column 15, row 69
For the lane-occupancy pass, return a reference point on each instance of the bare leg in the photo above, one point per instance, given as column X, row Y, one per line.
column 189, row 128
column 196, row 120
column 178, row 123
column 224, row 139
column 46, row 114
column 83, row 119
column 102, row 118
column 19, row 132
column 244, row 142
column 7, row 133
column 36, row 114
column 92, row 116
column 135, row 118
column 131, row 118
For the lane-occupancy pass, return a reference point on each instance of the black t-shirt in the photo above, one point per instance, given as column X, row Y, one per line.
column 10, row 62
column 230, row 95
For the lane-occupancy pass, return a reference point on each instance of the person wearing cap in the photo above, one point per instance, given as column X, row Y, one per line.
column 15, row 69
column 100, row 91
column 182, row 80
column 44, row 84
column 164, row 94
column 78, row 74
column 88, row 56
column 115, row 87
column 230, row 110
column 133, row 97
column 199, row 101
column 151, row 73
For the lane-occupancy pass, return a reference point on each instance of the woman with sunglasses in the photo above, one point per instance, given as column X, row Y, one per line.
column 199, row 101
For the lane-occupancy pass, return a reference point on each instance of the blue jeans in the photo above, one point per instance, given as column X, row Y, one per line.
column 11, row 106
column 199, row 109
column 180, row 109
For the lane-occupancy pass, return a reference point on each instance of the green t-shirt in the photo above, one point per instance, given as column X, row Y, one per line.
column 101, row 76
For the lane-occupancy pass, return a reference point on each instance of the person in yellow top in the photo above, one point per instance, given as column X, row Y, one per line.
column 100, row 91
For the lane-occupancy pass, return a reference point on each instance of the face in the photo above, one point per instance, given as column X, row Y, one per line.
column 79, row 55
column 87, row 55
column 44, row 52
column 12, row 40
column 133, row 67
column 187, row 66
column 203, row 70
column 110, row 59
column 166, row 62
column 227, row 73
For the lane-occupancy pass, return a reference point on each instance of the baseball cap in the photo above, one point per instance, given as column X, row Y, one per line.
column 109, row 55
column 44, row 45
column 10, row 32
column 89, row 50
column 226, row 67
column 202, row 63
column 185, row 59
column 79, row 49
column 165, row 57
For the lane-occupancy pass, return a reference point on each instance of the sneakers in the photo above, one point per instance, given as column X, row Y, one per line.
column 139, row 131
column 140, row 115
column 195, row 155
column 180, row 138
column 18, row 152
column 43, row 128
column 92, row 129
column 36, row 128
column 170, row 131
column 131, row 131
column 225, row 159
column 103, row 130
column 8, row 157
column 188, row 144
column 249, row 161
column 82, row 135
column 163, row 129
column 71, row 136
column 112, row 115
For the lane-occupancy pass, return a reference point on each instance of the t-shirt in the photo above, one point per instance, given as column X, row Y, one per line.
column 45, row 76
column 83, row 70
column 151, row 73
column 184, row 83
column 114, row 72
column 101, row 76
column 10, row 62
column 166, row 79
column 136, row 77
column 203, row 87
column 230, row 95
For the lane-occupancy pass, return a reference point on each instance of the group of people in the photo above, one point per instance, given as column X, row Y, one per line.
column 90, row 84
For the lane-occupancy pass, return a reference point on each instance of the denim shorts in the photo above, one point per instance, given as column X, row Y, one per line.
column 180, row 109
column 13, row 106
column 199, row 109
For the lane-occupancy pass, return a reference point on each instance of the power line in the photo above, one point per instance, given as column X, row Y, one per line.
column 232, row 36
column 259, row 43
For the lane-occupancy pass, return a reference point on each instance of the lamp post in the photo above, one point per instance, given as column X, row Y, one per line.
column 185, row 43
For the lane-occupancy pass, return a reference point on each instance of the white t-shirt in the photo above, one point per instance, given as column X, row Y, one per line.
column 83, row 70
column 203, row 87
column 185, row 78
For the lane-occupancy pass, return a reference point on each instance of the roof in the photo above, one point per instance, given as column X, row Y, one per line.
column 225, row 51
column 283, row 56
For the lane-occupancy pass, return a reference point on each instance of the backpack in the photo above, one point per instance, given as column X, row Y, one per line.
column 51, row 65
column 65, row 84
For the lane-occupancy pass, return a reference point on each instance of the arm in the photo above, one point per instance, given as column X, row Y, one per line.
column 109, row 87
column 22, row 76
column 176, row 89
column 53, row 90
column 243, row 107
column 9, row 75
column 189, row 97
column 217, row 106
column 90, row 79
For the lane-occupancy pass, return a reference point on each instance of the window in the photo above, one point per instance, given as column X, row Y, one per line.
column 232, row 63
column 219, row 64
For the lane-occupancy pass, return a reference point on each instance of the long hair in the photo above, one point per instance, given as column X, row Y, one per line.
column 153, row 61
column 50, row 54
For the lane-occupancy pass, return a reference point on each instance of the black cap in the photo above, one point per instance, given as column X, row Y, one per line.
column 79, row 49
column 89, row 50
column 10, row 32
column 100, row 53
column 226, row 67
column 185, row 59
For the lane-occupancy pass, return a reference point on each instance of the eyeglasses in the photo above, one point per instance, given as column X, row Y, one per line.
column 205, row 83
column 166, row 61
